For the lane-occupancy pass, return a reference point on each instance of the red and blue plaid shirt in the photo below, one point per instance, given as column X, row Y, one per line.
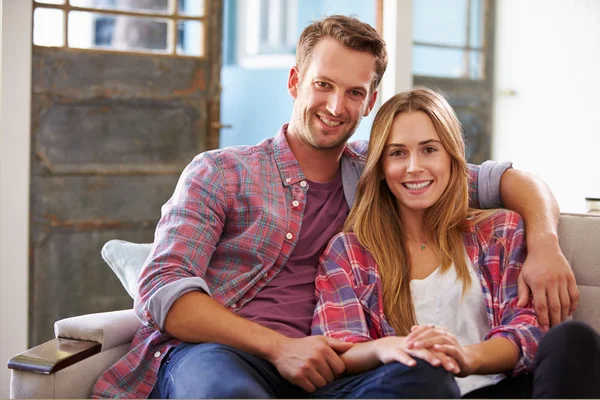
column 228, row 229
column 349, row 294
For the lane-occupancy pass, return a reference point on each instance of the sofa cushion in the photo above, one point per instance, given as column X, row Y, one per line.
column 126, row 260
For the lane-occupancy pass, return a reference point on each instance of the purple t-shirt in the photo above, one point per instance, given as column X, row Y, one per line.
column 287, row 303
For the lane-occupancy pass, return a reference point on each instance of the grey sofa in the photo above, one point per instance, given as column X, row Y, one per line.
column 85, row 346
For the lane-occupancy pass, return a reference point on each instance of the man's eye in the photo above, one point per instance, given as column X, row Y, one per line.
column 322, row 84
column 356, row 93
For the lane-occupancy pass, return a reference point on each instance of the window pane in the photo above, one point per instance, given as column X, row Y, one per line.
column 440, row 21
column 476, row 32
column 153, row 6
column 50, row 1
column 431, row 61
column 194, row 8
column 48, row 27
column 190, row 38
column 117, row 32
column 476, row 65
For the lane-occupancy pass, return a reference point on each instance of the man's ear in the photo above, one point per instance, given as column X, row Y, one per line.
column 371, row 103
column 293, row 81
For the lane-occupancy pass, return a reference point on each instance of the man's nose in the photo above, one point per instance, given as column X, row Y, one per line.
column 335, row 103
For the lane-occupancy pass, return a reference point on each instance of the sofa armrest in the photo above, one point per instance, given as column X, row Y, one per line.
column 54, row 355
column 110, row 329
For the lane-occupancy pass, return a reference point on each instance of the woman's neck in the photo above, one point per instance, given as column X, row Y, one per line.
column 412, row 225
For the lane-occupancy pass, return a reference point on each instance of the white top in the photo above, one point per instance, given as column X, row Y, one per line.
column 437, row 301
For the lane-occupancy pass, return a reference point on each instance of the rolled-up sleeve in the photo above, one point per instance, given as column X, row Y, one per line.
column 517, row 324
column 186, row 236
column 488, row 183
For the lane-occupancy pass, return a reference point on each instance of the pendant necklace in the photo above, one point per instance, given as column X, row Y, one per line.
column 423, row 245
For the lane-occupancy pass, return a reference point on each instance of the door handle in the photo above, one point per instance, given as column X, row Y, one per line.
column 219, row 125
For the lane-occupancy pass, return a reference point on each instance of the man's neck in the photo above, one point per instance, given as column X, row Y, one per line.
column 317, row 165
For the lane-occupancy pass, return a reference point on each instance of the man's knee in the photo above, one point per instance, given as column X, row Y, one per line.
column 421, row 381
column 569, row 342
column 211, row 370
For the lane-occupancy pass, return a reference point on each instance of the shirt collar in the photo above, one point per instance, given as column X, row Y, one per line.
column 289, row 168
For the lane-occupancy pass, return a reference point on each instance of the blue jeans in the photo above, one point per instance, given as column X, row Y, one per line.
column 211, row 370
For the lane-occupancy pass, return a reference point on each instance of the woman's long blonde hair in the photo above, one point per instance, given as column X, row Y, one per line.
column 375, row 217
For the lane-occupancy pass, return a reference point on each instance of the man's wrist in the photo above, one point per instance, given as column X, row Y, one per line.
column 542, row 241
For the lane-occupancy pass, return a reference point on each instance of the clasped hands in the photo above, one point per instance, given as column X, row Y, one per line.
column 435, row 345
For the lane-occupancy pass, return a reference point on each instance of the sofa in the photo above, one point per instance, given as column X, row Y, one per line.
column 85, row 346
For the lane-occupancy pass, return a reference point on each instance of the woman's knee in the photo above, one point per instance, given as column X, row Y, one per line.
column 421, row 381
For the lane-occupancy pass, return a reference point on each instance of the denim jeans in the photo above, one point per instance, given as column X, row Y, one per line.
column 211, row 370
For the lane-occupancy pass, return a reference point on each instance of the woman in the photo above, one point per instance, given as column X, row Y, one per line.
column 419, row 271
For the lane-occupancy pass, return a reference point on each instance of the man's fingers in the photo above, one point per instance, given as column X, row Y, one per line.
column 338, row 345
column 524, row 292
column 565, row 301
column 335, row 364
column 541, row 307
column 454, row 357
column 553, row 305
column 573, row 294
column 305, row 384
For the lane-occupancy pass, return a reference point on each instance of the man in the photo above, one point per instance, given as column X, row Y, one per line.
column 227, row 294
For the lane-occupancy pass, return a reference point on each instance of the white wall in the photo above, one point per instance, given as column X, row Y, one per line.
column 15, row 65
column 549, row 53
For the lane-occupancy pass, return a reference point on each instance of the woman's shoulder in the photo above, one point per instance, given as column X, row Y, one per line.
column 500, row 223
column 346, row 245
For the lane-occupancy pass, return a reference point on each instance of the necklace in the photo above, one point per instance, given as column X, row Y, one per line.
column 423, row 245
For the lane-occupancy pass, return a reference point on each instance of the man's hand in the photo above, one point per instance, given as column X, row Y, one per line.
column 311, row 362
column 549, row 277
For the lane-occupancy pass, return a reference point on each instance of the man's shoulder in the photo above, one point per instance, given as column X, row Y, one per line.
column 358, row 149
column 239, row 155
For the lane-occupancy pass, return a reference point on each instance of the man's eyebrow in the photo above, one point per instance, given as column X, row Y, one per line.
column 424, row 142
column 328, row 80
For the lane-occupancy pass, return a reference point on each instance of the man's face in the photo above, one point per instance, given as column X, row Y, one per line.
column 332, row 94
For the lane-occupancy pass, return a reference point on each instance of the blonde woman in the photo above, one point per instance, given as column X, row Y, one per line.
column 432, row 280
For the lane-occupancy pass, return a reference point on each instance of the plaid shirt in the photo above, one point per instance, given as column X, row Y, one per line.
column 229, row 227
column 349, row 295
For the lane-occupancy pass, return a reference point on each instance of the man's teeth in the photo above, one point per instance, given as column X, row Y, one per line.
column 329, row 122
column 416, row 186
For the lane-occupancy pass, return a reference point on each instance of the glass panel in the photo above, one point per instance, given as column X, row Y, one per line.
column 476, row 32
column 193, row 8
column 476, row 65
column 440, row 21
column 117, row 32
column 190, row 38
column 152, row 6
column 433, row 61
column 48, row 27
column 50, row 1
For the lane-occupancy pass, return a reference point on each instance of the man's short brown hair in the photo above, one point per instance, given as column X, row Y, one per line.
column 350, row 32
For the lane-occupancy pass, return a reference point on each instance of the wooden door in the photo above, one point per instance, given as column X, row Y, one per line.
column 112, row 127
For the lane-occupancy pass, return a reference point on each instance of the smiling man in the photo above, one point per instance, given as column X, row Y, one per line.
column 228, row 292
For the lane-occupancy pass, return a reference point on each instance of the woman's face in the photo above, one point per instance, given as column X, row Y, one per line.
column 415, row 164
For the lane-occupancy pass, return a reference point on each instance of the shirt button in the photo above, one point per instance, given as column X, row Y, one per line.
column 303, row 183
column 288, row 180
column 157, row 354
column 234, row 305
column 289, row 236
column 295, row 203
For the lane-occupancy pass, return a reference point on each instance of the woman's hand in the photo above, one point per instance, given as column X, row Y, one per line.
column 394, row 349
column 442, row 341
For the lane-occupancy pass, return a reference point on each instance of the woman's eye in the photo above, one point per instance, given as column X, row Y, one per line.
column 430, row 149
column 396, row 153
